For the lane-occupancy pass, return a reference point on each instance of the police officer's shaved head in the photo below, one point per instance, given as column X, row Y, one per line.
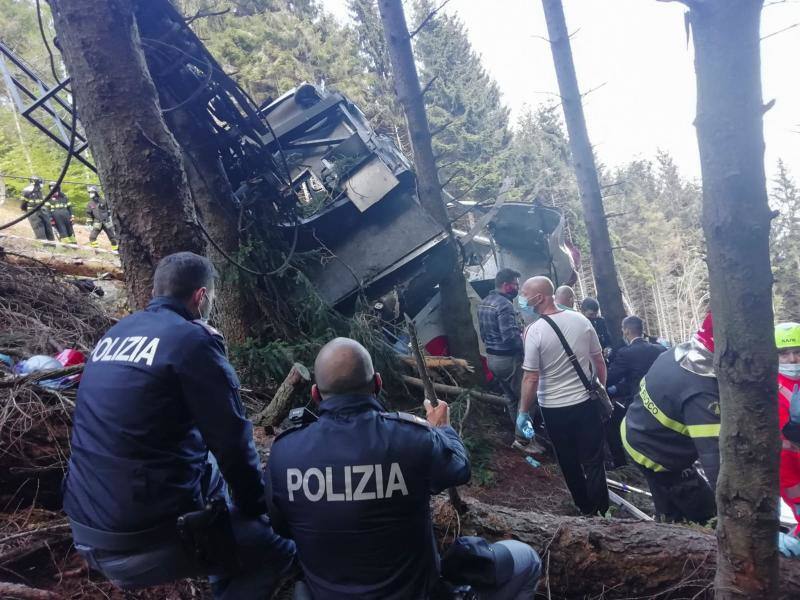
column 344, row 366
column 565, row 296
column 181, row 274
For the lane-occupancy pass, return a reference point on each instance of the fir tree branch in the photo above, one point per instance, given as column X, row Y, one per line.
column 427, row 19
column 439, row 130
column 428, row 85
column 202, row 14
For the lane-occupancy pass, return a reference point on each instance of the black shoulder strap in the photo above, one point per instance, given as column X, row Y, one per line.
column 570, row 354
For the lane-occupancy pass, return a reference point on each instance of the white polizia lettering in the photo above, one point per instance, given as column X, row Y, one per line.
column 132, row 349
column 351, row 483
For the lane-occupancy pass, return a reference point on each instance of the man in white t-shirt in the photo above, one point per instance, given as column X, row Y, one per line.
column 573, row 422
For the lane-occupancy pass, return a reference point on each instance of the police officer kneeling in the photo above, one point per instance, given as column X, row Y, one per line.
column 158, row 417
column 353, row 489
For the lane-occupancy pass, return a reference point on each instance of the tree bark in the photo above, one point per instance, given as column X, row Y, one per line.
column 736, row 222
column 608, row 558
column 139, row 160
column 605, row 272
column 276, row 411
column 455, row 307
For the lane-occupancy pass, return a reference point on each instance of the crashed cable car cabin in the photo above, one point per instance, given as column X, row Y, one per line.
column 361, row 215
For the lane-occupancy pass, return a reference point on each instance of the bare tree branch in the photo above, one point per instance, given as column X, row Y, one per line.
column 202, row 14
column 439, row 130
column 594, row 89
column 427, row 19
column 455, row 174
column 774, row 33
column 428, row 85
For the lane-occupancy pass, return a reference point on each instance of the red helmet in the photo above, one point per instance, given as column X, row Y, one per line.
column 705, row 335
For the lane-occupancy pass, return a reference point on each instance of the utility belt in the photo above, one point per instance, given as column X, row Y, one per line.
column 206, row 534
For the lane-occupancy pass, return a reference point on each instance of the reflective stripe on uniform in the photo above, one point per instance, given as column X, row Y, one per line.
column 636, row 455
column 703, row 431
column 785, row 392
column 659, row 415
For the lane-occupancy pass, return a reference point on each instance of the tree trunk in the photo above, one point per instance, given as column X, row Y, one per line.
column 139, row 161
column 731, row 140
column 455, row 311
column 606, row 558
column 605, row 272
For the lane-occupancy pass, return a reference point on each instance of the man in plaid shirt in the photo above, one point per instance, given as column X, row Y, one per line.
column 501, row 332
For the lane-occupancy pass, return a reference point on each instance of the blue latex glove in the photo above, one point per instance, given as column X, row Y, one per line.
column 788, row 545
column 612, row 390
column 525, row 426
column 794, row 405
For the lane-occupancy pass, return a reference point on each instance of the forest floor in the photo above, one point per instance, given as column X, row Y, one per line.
column 34, row 431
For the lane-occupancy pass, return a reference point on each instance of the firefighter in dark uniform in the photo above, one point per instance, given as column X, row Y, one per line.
column 673, row 421
column 40, row 220
column 98, row 217
column 61, row 210
column 157, row 425
column 353, row 490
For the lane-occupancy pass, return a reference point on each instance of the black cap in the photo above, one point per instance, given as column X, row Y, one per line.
column 472, row 560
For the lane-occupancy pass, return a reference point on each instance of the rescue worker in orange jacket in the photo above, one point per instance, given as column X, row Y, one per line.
column 787, row 340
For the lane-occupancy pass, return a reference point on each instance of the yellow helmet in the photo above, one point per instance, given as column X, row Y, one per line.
column 787, row 335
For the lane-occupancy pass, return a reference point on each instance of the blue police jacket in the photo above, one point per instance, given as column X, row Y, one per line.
column 156, row 395
column 353, row 490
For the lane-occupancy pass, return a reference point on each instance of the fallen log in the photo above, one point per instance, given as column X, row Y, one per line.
column 611, row 558
column 276, row 411
column 453, row 390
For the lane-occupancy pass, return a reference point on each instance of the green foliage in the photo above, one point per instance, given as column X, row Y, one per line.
column 539, row 160
column 785, row 245
column 272, row 46
column 480, row 457
column 465, row 108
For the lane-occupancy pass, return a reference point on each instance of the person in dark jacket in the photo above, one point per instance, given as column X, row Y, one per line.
column 158, row 424
column 353, row 490
column 39, row 220
column 625, row 372
column 98, row 217
column 674, row 420
column 61, row 210
column 591, row 310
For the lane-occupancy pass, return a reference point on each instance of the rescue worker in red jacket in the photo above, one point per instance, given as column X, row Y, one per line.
column 787, row 340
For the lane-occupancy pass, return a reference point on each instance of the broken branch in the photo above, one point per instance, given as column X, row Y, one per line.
column 276, row 411
column 453, row 390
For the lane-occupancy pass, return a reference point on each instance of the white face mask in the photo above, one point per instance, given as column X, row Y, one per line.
column 792, row 371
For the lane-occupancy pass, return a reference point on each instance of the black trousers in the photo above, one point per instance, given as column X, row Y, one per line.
column 578, row 436
column 681, row 495
column 40, row 223
column 63, row 223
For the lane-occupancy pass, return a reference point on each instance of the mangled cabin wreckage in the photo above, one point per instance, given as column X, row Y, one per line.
column 310, row 165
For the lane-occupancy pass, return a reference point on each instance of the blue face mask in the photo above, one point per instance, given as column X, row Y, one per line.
column 524, row 307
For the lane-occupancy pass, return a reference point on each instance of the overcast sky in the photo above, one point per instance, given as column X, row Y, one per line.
column 637, row 48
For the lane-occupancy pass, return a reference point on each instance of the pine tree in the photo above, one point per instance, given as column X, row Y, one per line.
column 785, row 198
column 468, row 120
column 387, row 116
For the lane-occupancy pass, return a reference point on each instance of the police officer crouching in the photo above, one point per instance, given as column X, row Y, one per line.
column 158, row 424
column 353, row 490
